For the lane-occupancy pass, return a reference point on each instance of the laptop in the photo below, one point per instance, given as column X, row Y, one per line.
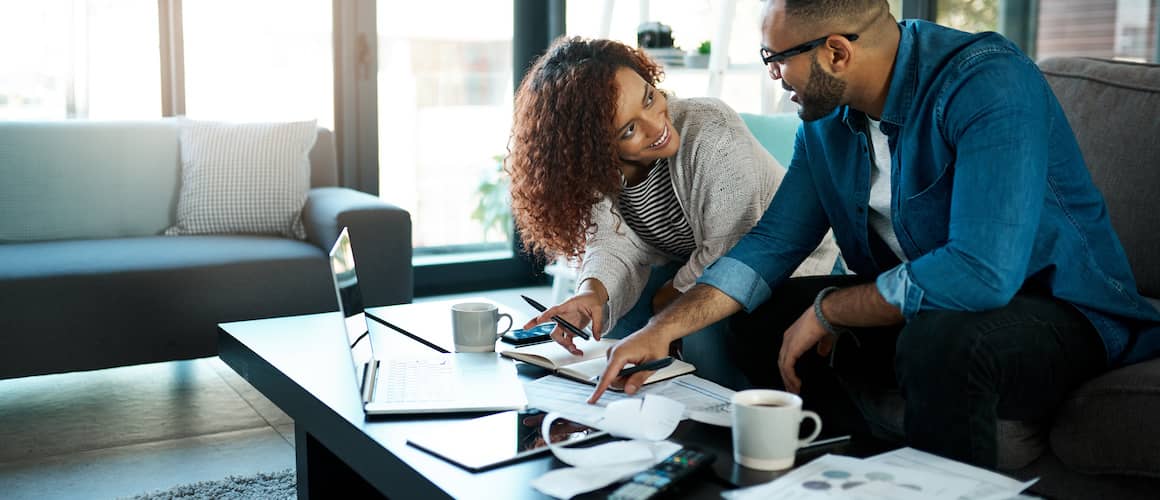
column 438, row 383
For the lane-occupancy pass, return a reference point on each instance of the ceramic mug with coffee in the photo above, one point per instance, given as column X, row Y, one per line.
column 766, row 424
column 475, row 326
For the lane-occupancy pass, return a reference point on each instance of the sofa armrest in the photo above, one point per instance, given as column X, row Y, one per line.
column 380, row 234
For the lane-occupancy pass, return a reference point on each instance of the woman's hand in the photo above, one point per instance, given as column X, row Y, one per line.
column 585, row 307
column 665, row 296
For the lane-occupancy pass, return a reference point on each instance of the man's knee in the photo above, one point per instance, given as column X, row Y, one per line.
column 935, row 345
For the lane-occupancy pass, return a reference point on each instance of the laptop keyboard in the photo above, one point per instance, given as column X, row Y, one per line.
column 418, row 380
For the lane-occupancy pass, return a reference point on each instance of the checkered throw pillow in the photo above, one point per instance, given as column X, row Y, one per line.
column 248, row 178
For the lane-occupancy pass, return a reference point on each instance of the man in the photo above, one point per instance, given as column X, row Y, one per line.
column 989, row 281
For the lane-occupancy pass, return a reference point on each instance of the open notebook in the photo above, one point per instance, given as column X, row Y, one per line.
column 586, row 368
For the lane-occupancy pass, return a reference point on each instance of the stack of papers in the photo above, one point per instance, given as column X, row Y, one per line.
column 903, row 474
column 704, row 400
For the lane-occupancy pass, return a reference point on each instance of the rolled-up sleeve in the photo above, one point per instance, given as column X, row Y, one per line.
column 737, row 280
column 789, row 230
column 900, row 291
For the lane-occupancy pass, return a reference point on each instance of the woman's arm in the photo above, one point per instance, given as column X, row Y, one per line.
column 618, row 259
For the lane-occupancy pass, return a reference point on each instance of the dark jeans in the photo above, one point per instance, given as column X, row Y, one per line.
column 959, row 372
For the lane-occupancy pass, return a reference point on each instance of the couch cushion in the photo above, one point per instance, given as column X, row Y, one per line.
column 36, row 260
column 1109, row 424
column 1112, row 107
column 243, row 178
column 84, row 179
column 118, row 302
column 775, row 132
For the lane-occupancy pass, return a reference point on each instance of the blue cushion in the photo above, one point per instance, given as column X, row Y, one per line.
column 775, row 132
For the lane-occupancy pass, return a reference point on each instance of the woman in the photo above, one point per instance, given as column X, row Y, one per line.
column 644, row 190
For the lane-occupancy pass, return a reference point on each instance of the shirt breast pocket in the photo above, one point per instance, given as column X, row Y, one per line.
column 926, row 215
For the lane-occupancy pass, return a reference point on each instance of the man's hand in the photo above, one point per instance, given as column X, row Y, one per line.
column 800, row 337
column 640, row 347
column 702, row 306
column 580, row 310
column 857, row 306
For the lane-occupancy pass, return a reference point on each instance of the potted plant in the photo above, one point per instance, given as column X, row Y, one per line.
column 493, row 209
column 699, row 58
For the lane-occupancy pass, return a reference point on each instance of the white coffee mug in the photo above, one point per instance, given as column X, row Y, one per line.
column 765, row 428
column 475, row 326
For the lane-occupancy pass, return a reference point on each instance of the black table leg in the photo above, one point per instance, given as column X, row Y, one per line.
column 321, row 474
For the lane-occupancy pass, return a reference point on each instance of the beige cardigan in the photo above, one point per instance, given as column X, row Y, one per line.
column 724, row 180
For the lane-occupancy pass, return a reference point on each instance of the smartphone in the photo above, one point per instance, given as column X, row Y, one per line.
column 487, row 442
column 534, row 335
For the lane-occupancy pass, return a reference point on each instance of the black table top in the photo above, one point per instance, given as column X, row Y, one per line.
column 302, row 365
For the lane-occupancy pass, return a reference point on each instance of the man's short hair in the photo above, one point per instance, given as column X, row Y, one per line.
column 821, row 11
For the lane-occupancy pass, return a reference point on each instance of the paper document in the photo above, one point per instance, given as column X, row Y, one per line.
column 704, row 401
column 569, row 398
column 901, row 474
column 986, row 485
column 834, row 476
column 571, row 481
column 646, row 421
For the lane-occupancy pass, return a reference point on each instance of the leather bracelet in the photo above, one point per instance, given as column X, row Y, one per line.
column 835, row 331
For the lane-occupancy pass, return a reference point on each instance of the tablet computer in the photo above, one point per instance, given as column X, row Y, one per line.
column 487, row 442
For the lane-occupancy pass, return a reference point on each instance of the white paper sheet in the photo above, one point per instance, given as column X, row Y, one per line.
column 571, row 481
column 646, row 421
column 986, row 485
column 834, row 476
column 704, row 401
column 569, row 398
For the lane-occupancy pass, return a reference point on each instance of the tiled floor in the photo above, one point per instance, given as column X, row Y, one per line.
column 123, row 431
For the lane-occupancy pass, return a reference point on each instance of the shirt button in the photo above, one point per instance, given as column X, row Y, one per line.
column 860, row 209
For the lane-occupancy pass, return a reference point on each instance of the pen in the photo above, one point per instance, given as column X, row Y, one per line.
column 559, row 321
column 655, row 364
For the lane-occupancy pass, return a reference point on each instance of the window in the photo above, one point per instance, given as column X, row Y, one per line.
column 259, row 60
column 445, row 106
column 79, row 59
column 1114, row 29
column 745, row 85
column 1121, row 29
column 969, row 15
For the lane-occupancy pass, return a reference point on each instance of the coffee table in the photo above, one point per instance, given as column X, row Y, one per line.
column 302, row 365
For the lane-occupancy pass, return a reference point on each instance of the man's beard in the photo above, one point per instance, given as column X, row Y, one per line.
column 823, row 93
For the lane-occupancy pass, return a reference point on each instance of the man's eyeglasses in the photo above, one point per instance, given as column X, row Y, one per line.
column 769, row 56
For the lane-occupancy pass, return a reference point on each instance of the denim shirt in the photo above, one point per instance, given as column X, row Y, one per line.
column 990, row 196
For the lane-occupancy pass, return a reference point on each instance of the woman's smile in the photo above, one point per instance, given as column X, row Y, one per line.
column 663, row 140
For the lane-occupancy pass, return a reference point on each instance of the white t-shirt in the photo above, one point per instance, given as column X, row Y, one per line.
column 879, row 216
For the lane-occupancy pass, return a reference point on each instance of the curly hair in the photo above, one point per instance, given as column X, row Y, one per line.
column 563, row 155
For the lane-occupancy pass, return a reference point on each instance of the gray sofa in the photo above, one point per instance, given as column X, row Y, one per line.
column 88, row 282
column 1105, row 440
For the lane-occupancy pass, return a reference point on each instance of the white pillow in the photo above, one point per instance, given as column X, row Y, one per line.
column 249, row 178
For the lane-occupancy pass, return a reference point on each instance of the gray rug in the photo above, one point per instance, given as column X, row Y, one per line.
column 281, row 484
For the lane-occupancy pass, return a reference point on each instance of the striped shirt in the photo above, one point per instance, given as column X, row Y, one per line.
column 651, row 209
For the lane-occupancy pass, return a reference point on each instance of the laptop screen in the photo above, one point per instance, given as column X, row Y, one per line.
column 350, row 302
